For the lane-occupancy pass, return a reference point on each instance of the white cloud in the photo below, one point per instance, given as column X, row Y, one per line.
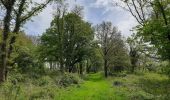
column 125, row 25
column 122, row 19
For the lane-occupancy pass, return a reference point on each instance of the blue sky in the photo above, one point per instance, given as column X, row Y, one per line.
column 95, row 11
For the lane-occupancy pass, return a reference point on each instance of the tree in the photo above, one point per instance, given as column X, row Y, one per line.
column 68, row 39
column 152, row 16
column 17, row 11
column 109, row 39
column 94, row 60
column 141, row 52
column 23, row 56
column 153, row 28
column 134, row 52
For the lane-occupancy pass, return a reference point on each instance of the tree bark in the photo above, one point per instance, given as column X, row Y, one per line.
column 70, row 69
column 87, row 67
column 81, row 68
column 17, row 26
column 105, row 68
column 61, row 66
column 132, row 69
column 51, row 65
column 6, row 30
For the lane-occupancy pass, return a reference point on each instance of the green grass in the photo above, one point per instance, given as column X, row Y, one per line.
column 94, row 88
column 145, row 86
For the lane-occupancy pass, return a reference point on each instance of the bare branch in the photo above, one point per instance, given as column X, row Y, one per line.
column 3, row 3
column 134, row 14
column 137, row 11
column 34, row 11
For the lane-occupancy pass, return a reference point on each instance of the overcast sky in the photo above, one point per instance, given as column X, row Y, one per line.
column 95, row 11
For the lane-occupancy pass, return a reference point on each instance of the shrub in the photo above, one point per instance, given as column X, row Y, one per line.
column 9, row 90
column 17, row 77
column 141, row 95
column 68, row 79
column 44, row 81
column 42, row 95
column 166, row 68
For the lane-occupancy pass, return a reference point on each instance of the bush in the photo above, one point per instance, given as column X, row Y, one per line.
column 141, row 95
column 44, row 81
column 166, row 68
column 17, row 77
column 167, row 72
column 68, row 79
column 9, row 91
column 42, row 95
column 117, row 74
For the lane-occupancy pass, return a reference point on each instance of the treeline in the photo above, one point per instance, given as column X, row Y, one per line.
column 74, row 45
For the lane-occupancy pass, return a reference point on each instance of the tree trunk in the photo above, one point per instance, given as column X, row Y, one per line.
column 87, row 67
column 51, row 65
column 132, row 69
column 2, row 75
column 6, row 30
column 61, row 65
column 105, row 68
column 70, row 69
column 81, row 68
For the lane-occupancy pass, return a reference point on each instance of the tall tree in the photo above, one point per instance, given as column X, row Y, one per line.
column 109, row 39
column 6, row 29
column 17, row 11
column 68, row 38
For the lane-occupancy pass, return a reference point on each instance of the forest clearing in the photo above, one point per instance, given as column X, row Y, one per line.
column 84, row 49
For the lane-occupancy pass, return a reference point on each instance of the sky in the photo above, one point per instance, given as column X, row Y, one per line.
column 95, row 11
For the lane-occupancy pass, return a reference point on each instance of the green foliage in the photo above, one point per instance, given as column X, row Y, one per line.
column 42, row 95
column 95, row 59
column 68, row 79
column 111, row 47
column 156, row 28
column 165, row 68
column 94, row 87
column 68, row 38
column 134, row 53
column 145, row 86
column 70, row 43
column 9, row 91
column 16, row 78
column 43, row 81
column 23, row 56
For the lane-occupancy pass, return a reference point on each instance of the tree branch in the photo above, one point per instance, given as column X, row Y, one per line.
column 34, row 11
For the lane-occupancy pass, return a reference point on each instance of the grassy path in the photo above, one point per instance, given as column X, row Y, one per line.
column 95, row 88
